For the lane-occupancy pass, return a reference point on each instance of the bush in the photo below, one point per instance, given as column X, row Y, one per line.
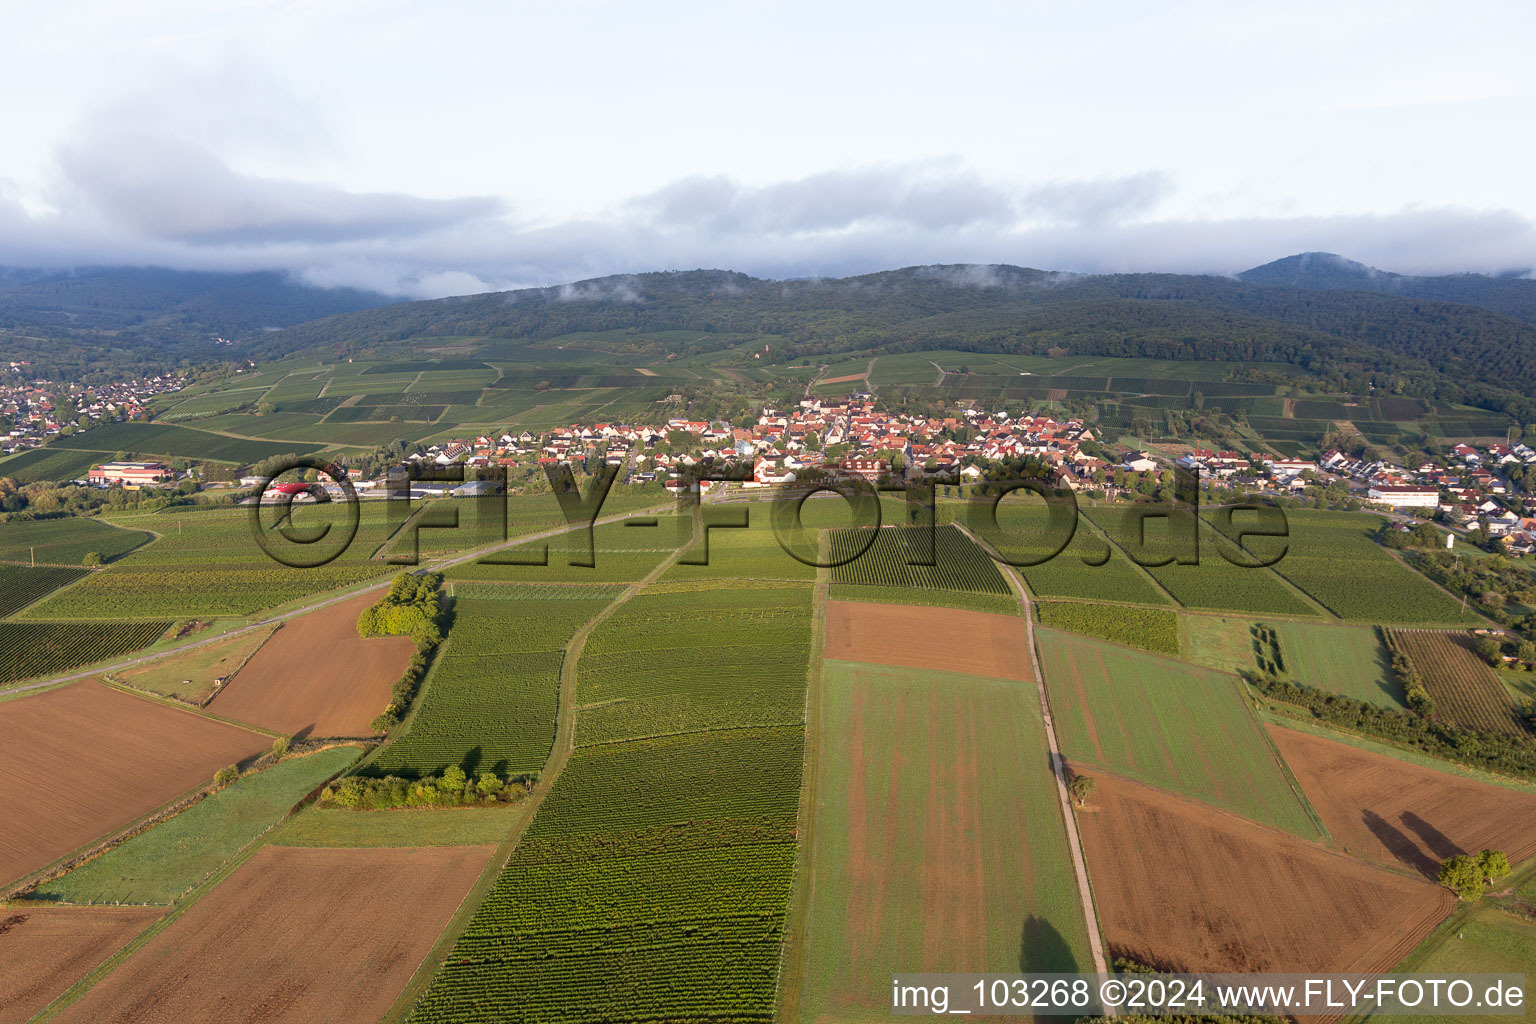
column 280, row 747
column 92, row 559
column 226, row 775
column 452, row 789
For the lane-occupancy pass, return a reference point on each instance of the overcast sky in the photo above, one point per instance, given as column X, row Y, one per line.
column 455, row 146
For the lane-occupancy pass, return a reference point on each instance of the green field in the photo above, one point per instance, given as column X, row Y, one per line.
column 656, row 874
column 1088, row 567
column 489, row 701
column 1151, row 629
column 938, row 840
column 1478, row 940
column 206, row 562
column 885, row 560
column 997, row 604
column 162, row 864
column 20, row 585
column 1168, row 724
column 48, row 463
column 1215, row 582
column 177, row 442
column 1343, row 659
column 633, row 679
column 417, row 826
column 66, row 541
column 619, row 552
column 1334, row 558
column 750, row 553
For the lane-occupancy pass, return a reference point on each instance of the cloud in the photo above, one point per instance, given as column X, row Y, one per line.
column 167, row 188
column 139, row 198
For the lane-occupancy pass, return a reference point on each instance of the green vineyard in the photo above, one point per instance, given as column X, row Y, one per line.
column 20, row 585
column 958, row 564
column 33, row 649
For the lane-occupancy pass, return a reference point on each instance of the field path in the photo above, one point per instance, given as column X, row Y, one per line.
column 333, row 598
column 1058, row 764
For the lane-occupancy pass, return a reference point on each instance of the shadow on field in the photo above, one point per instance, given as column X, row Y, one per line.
column 1439, row 844
column 1042, row 949
column 1400, row 845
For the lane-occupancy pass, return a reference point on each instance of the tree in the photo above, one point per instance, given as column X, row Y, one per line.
column 224, row 776
column 1081, row 788
column 1493, row 865
column 1527, row 652
column 91, row 559
column 1491, row 650
column 280, row 747
column 1462, row 875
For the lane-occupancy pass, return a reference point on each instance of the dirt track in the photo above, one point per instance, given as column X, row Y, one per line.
column 80, row 762
column 317, row 677
column 979, row 643
column 44, row 950
column 1402, row 814
column 293, row 935
column 1182, row 885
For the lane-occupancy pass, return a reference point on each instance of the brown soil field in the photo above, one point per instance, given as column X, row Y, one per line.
column 293, row 935
column 317, row 677
column 1402, row 814
column 80, row 762
column 978, row 643
column 1465, row 688
column 44, row 950
column 844, row 379
column 1181, row 884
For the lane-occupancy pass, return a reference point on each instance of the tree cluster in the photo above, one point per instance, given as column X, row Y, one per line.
column 454, row 788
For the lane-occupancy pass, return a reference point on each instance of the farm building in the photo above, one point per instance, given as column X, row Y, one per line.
column 133, row 474
column 1405, row 496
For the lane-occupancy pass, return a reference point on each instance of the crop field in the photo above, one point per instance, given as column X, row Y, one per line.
column 1465, row 688
column 65, row 541
column 1170, row 725
column 620, row 552
column 264, row 944
column 750, row 553
column 938, row 839
column 1151, row 629
column 455, row 525
column 958, row 564
column 161, row 865
column 1334, row 558
column 671, row 663
column 20, row 585
column 682, row 848
column 1214, row 583
column 206, row 563
column 1405, row 815
column 117, row 755
column 31, row 650
column 48, row 463
column 1489, row 940
column 1088, row 567
column 321, row 825
column 178, row 442
column 45, row 950
column 489, row 702
column 974, row 643
column 316, row 677
column 1179, row 884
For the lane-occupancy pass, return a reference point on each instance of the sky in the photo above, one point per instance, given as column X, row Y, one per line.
column 464, row 146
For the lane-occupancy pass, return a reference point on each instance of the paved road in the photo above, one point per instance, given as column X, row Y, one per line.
column 314, row 605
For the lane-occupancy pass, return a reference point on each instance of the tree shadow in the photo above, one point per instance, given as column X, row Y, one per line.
column 1043, row 950
column 1438, row 842
column 471, row 762
column 1400, row 845
column 304, row 733
column 1387, row 679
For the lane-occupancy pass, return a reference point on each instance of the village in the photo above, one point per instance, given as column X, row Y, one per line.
column 36, row 410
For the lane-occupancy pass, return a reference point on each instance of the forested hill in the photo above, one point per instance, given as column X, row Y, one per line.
column 1451, row 351
column 116, row 320
column 1511, row 295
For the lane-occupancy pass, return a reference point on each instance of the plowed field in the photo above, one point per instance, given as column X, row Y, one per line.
column 293, row 935
column 1181, row 884
column 1402, row 814
column 80, row 762
column 317, row 677
column 44, row 950
column 976, row 643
